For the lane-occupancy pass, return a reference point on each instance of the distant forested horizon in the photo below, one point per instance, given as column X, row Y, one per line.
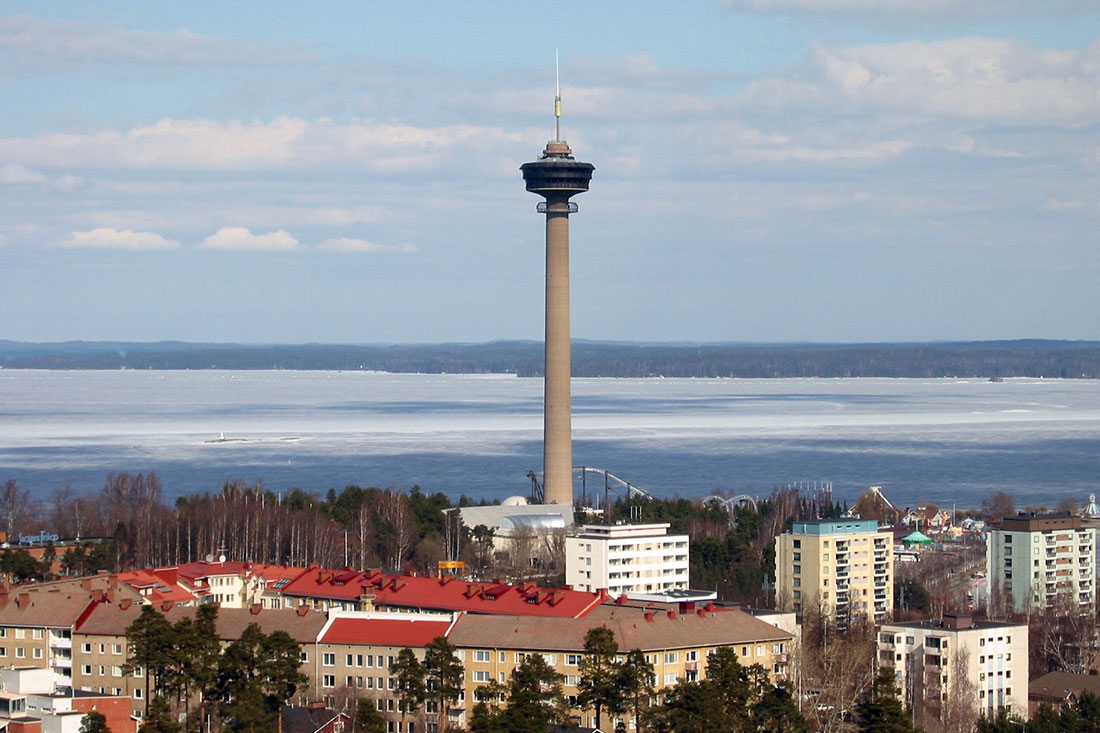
column 964, row 359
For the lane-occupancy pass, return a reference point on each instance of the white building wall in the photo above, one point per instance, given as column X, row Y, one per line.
column 925, row 657
column 1043, row 569
column 627, row 559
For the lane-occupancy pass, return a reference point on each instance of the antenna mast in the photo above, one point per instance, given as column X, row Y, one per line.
column 557, row 99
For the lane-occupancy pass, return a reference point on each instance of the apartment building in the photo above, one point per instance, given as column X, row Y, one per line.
column 675, row 639
column 100, row 650
column 842, row 567
column 355, row 651
column 1038, row 562
column 37, row 621
column 937, row 661
column 627, row 559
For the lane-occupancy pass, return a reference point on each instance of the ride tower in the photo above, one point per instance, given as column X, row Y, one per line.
column 557, row 176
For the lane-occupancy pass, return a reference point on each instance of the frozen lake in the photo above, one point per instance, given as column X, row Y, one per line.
column 940, row 440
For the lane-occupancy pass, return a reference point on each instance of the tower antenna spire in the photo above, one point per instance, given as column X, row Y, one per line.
column 557, row 99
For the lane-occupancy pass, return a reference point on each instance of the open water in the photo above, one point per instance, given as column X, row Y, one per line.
column 946, row 441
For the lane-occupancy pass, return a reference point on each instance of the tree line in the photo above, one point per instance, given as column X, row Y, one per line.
column 985, row 359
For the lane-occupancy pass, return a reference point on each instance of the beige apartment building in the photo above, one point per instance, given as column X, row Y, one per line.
column 675, row 640
column 844, row 567
column 1038, row 562
column 936, row 662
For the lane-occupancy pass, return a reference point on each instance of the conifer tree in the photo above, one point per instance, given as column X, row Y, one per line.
column 409, row 678
column 444, row 676
column 598, row 686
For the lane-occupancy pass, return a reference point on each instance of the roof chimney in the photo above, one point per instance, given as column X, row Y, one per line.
column 671, row 614
column 125, row 604
column 620, row 601
column 958, row 621
column 255, row 609
column 303, row 610
column 166, row 606
column 649, row 615
column 23, row 600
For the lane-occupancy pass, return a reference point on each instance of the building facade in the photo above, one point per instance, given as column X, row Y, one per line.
column 979, row 664
column 627, row 559
column 1038, row 562
column 843, row 568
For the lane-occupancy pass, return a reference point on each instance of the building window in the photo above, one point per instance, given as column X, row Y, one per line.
column 86, row 669
column 797, row 569
column 20, row 633
column 38, row 633
column 138, row 693
column 305, row 657
column 116, row 648
column 37, row 653
column 116, row 671
column 481, row 656
column 481, row 676
column 86, row 648
column 672, row 657
column 20, row 652
column 328, row 680
column 328, row 660
column 350, row 659
column 670, row 678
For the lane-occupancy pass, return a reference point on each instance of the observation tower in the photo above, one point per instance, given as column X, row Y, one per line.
column 557, row 176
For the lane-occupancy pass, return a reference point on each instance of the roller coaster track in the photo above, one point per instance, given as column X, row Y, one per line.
column 611, row 482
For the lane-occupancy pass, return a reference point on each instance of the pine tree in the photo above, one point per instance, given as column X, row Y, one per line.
column 598, row 686
column 880, row 710
column 150, row 643
column 367, row 717
column 409, row 675
column 444, row 676
column 636, row 684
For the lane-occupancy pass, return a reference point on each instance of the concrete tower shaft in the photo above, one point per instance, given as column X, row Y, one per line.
column 556, row 176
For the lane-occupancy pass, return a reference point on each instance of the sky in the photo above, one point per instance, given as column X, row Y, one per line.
column 348, row 172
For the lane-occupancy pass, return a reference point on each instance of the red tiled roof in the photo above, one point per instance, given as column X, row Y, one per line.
column 154, row 588
column 410, row 632
column 444, row 594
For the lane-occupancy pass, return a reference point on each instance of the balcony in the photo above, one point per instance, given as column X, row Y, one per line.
column 57, row 642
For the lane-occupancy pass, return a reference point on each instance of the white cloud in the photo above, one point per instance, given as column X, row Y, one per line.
column 921, row 9
column 15, row 173
column 67, row 183
column 108, row 238
column 990, row 81
column 240, row 238
column 34, row 45
column 284, row 142
column 346, row 244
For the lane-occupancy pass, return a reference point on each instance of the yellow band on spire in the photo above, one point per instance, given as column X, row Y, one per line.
column 557, row 107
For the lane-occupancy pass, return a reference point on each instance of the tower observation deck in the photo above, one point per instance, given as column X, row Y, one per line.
column 557, row 176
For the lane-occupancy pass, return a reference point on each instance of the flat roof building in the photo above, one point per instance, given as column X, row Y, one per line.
column 947, row 660
column 842, row 568
column 1042, row 562
column 627, row 559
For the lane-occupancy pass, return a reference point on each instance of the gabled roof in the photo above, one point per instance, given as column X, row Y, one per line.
column 304, row 625
column 443, row 594
column 155, row 589
column 370, row 629
column 1061, row 686
column 51, row 605
column 634, row 628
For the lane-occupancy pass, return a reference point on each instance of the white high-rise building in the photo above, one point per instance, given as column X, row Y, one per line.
column 627, row 559
column 1041, row 562
column 981, row 664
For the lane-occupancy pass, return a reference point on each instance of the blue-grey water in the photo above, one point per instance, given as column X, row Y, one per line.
column 939, row 440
